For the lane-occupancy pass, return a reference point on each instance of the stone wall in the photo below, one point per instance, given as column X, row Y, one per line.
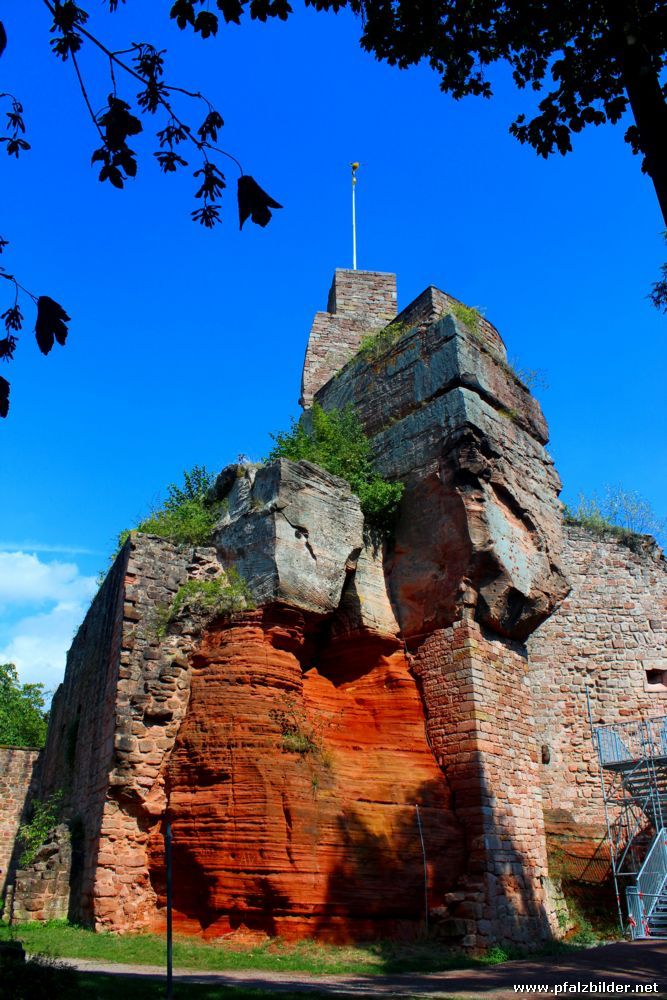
column 359, row 303
column 19, row 770
column 608, row 636
column 481, row 727
column 112, row 721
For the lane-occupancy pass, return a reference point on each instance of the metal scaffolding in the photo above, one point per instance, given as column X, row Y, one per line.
column 633, row 774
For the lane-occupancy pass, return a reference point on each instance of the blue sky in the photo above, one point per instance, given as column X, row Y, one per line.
column 186, row 345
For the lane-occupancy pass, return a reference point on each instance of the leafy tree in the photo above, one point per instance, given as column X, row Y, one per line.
column 23, row 721
column 596, row 57
column 116, row 124
column 336, row 441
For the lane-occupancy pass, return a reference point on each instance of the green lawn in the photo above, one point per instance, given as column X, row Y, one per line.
column 62, row 940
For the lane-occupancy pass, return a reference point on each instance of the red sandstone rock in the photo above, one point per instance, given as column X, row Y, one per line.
column 323, row 840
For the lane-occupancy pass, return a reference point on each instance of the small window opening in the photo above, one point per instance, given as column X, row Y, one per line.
column 656, row 679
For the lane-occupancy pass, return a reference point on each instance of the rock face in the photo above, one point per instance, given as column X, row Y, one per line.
column 290, row 744
column 292, row 530
column 293, row 786
column 447, row 416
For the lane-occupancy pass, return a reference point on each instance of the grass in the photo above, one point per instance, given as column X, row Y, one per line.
column 467, row 315
column 374, row 345
column 62, row 940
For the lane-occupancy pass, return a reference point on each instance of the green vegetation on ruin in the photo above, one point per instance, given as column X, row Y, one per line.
column 335, row 440
column 223, row 595
column 187, row 517
column 621, row 514
column 33, row 834
column 469, row 316
column 374, row 345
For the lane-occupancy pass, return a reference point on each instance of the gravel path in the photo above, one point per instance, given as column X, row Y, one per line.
column 623, row 968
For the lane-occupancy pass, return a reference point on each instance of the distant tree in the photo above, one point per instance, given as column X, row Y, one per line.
column 23, row 721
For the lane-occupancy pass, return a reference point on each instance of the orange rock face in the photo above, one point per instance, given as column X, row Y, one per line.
column 293, row 784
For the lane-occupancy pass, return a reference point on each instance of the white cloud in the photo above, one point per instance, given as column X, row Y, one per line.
column 43, row 603
column 25, row 579
column 68, row 550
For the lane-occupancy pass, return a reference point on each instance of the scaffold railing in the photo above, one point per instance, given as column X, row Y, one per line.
column 633, row 772
column 645, row 896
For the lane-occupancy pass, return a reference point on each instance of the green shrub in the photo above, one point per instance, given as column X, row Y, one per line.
column 373, row 345
column 337, row 443
column 622, row 514
column 190, row 523
column 186, row 517
column 34, row 833
column 223, row 595
column 467, row 315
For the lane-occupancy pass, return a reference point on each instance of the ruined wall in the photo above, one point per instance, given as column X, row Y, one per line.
column 359, row 302
column 481, row 727
column 111, row 722
column 610, row 636
column 18, row 775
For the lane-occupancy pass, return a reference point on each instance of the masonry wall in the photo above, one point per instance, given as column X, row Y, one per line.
column 360, row 302
column 610, row 636
column 481, row 727
column 19, row 768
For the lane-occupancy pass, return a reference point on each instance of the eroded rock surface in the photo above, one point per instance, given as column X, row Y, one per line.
column 293, row 785
column 292, row 531
column 448, row 417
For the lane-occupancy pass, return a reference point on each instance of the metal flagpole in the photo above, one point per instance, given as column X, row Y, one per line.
column 355, row 167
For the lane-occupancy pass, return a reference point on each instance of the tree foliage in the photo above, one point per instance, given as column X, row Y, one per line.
column 336, row 442
column 140, row 66
column 594, row 58
column 23, row 720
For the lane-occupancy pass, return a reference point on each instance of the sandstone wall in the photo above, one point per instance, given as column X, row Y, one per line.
column 19, row 769
column 481, row 727
column 610, row 636
column 359, row 302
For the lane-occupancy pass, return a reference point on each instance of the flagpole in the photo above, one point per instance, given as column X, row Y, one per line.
column 355, row 167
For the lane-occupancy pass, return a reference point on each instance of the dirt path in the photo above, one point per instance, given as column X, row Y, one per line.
column 625, row 969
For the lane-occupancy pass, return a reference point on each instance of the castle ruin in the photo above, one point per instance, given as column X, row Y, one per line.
column 438, row 677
